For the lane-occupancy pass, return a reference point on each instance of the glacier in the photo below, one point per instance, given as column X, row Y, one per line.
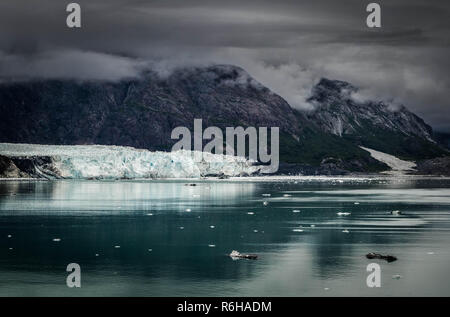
column 112, row 162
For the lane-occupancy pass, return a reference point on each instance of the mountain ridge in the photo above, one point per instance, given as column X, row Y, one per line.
column 141, row 112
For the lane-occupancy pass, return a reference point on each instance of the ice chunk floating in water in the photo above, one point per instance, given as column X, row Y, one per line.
column 100, row 161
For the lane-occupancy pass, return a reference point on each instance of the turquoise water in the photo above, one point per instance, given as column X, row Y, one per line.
column 175, row 239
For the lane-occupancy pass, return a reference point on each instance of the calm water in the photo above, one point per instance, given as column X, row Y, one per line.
column 168, row 251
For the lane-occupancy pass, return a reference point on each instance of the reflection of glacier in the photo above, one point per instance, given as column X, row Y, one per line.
column 98, row 161
column 119, row 197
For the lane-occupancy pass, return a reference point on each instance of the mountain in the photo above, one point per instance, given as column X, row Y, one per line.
column 142, row 112
column 374, row 124
column 137, row 112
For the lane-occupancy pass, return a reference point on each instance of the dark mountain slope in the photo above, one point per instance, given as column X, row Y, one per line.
column 140, row 113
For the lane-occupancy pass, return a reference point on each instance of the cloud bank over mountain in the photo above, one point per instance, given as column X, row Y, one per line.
column 286, row 45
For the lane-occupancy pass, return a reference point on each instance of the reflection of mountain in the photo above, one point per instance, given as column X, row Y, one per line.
column 142, row 113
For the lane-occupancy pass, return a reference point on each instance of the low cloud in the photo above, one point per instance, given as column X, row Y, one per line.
column 290, row 81
column 286, row 45
column 68, row 64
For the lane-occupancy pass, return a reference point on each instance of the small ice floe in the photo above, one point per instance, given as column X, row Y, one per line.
column 297, row 230
column 9, row 236
column 266, row 195
column 235, row 255
column 356, row 203
column 430, row 253
column 396, row 212
column 345, row 231
column 287, row 195
column 150, row 250
column 211, row 245
column 255, row 231
column 265, row 203
column 117, row 247
column 396, row 277
column 312, row 226
column 295, row 211
column 188, row 210
column 96, row 254
column 56, row 239
column 212, row 227
column 10, row 248
column 343, row 213
column 250, row 213
column 149, row 214
column 195, row 195
column 326, row 289
column 181, row 228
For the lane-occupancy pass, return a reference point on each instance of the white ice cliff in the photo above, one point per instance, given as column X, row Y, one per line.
column 109, row 162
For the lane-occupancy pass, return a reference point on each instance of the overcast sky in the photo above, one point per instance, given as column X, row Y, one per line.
column 285, row 44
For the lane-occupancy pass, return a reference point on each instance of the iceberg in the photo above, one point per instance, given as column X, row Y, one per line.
column 111, row 162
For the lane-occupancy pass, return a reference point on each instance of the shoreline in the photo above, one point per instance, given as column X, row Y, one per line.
column 247, row 178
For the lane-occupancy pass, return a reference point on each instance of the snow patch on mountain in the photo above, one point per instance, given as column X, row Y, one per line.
column 397, row 165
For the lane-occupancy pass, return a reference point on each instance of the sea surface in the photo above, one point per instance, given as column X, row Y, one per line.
column 167, row 238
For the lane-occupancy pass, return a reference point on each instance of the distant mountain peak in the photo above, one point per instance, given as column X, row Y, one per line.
column 339, row 113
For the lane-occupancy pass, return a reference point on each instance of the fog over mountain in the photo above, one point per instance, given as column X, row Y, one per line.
column 286, row 45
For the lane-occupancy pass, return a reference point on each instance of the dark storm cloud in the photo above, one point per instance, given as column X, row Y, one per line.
column 287, row 45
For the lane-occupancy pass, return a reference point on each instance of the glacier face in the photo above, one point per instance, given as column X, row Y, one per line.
column 109, row 162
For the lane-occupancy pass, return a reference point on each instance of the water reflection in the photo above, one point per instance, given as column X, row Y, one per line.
column 165, row 250
column 115, row 197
